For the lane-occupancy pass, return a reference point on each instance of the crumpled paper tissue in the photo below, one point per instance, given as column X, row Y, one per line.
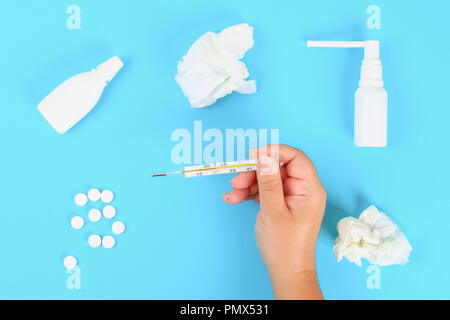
column 374, row 236
column 212, row 68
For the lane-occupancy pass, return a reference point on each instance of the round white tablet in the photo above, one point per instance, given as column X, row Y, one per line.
column 94, row 215
column 108, row 242
column 70, row 262
column 77, row 222
column 109, row 212
column 95, row 241
column 107, row 196
column 81, row 199
column 94, row 194
column 118, row 227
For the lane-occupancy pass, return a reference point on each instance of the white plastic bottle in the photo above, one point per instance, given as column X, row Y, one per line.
column 74, row 98
column 370, row 99
column 371, row 117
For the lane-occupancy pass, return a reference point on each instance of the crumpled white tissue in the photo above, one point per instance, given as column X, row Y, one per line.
column 374, row 236
column 211, row 69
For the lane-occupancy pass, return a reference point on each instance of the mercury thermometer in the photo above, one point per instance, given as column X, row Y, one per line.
column 214, row 169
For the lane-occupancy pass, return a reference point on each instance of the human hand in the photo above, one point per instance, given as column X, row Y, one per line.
column 292, row 202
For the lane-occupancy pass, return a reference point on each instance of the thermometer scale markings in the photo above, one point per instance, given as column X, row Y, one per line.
column 214, row 169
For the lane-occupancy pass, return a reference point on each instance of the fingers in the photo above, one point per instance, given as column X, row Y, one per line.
column 243, row 180
column 235, row 196
column 295, row 161
column 244, row 186
column 247, row 180
column 297, row 187
column 270, row 185
column 301, row 181
column 254, row 197
column 254, row 189
column 297, row 179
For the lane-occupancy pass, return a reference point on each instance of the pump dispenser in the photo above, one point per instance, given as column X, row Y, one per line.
column 75, row 97
column 370, row 98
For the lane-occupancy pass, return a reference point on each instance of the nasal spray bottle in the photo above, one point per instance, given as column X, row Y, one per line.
column 75, row 97
column 370, row 98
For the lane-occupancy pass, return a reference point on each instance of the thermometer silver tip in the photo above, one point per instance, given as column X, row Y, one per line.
column 164, row 174
column 160, row 174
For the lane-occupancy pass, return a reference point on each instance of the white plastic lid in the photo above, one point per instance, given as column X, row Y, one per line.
column 371, row 69
column 110, row 68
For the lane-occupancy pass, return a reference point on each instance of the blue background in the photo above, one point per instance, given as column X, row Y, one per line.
column 182, row 241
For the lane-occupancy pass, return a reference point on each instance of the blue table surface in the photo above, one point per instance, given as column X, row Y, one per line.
column 182, row 241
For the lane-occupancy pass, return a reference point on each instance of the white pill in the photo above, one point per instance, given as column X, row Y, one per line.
column 94, row 194
column 109, row 212
column 94, row 215
column 95, row 241
column 107, row 196
column 118, row 227
column 70, row 262
column 81, row 199
column 77, row 222
column 108, row 242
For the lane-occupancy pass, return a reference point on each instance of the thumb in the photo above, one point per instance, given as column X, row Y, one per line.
column 271, row 192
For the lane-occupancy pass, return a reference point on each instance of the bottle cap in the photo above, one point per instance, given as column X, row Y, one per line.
column 371, row 69
column 109, row 69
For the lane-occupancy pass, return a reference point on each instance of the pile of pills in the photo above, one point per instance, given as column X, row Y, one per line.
column 95, row 215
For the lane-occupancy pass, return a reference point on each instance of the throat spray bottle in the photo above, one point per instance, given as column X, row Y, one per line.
column 370, row 98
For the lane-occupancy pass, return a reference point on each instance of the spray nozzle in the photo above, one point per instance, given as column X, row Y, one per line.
column 110, row 67
column 371, row 69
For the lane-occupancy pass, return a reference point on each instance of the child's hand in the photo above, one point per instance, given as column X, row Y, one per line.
column 292, row 201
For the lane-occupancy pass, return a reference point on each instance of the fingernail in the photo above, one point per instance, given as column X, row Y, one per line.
column 267, row 165
column 225, row 196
